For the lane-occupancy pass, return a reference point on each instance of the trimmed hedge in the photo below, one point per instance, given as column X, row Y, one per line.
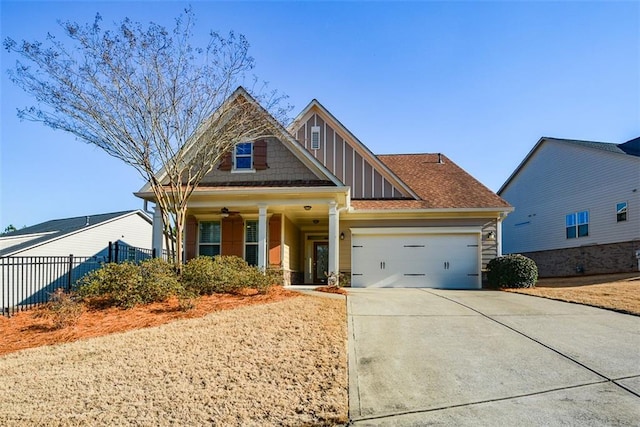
column 226, row 274
column 512, row 271
column 127, row 285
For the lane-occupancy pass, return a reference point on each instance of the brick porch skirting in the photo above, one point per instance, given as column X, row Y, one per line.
column 592, row 259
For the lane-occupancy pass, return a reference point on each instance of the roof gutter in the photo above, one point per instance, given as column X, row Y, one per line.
column 443, row 210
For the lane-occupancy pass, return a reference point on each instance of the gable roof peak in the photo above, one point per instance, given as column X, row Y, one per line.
column 279, row 132
column 631, row 147
column 355, row 143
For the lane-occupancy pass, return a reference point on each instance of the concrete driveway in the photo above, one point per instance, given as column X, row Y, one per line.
column 436, row 357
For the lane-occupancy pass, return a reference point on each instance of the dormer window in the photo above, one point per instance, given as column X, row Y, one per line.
column 315, row 137
column 243, row 156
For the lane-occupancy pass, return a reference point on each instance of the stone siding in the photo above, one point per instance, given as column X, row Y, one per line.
column 592, row 259
column 295, row 278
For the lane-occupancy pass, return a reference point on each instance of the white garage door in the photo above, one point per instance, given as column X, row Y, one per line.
column 415, row 261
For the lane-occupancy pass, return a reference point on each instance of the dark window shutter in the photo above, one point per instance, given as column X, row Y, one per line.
column 191, row 238
column 226, row 163
column 260, row 154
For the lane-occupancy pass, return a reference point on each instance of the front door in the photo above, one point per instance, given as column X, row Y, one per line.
column 320, row 261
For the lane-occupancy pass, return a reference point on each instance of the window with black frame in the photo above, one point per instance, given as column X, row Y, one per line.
column 209, row 235
column 251, row 242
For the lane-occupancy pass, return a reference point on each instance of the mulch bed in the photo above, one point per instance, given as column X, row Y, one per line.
column 331, row 290
column 29, row 329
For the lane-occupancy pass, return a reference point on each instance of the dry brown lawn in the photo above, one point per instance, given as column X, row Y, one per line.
column 271, row 360
column 619, row 292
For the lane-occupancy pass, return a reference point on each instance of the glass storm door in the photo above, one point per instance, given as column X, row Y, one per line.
column 320, row 261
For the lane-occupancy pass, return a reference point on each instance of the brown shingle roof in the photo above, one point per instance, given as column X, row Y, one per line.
column 388, row 204
column 439, row 185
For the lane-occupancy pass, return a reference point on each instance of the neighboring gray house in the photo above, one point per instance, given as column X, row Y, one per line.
column 34, row 261
column 577, row 207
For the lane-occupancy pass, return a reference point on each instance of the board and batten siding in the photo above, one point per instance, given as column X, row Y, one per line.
column 131, row 229
column 561, row 178
column 337, row 154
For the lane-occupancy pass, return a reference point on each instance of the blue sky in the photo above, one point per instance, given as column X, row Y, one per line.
column 480, row 82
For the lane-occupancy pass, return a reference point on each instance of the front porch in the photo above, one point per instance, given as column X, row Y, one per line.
column 297, row 233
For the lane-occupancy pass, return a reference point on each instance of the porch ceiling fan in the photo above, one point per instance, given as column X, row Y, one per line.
column 225, row 212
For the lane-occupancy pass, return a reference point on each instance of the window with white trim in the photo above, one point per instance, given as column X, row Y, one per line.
column 577, row 224
column 209, row 235
column 243, row 156
column 621, row 211
column 251, row 242
column 315, row 137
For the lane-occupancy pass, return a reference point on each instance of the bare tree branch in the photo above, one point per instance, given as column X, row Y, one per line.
column 146, row 96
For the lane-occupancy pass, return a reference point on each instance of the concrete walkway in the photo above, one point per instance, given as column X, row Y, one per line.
column 436, row 357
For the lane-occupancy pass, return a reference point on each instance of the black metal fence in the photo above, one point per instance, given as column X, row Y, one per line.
column 28, row 281
column 120, row 252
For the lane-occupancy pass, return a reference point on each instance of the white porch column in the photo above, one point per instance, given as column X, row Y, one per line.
column 499, row 236
column 334, row 243
column 157, row 235
column 262, row 236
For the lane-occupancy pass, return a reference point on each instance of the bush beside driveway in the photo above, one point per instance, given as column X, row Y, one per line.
column 275, row 364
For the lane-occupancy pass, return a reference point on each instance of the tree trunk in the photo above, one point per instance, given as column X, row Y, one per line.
column 169, row 238
column 181, row 215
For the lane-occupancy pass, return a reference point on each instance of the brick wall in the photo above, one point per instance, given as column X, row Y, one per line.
column 593, row 259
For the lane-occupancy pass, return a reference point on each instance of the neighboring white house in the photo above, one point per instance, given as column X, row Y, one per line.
column 30, row 258
column 577, row 207
column 83, row 236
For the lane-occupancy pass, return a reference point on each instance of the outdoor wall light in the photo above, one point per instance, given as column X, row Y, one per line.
column 491, row 235
column 307, row 208
column 342, row 236
column 224, row 212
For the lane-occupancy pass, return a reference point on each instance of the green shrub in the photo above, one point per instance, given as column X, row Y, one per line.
column 159, row 280
column 199, row 276
column 225, row 274
column 512, row 271
column 261, row 280
column 274, row 277
column 127, row 285
column 112, row 285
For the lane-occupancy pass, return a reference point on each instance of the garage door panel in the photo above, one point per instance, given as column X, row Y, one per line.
column 437, row 261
